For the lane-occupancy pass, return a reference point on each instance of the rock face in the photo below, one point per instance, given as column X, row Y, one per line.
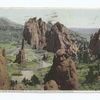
column 63, row 72
column 4, row 80
column 34, row 32
column 57, row 38
column 47, row 36
column 94, row 45
column 20, row 57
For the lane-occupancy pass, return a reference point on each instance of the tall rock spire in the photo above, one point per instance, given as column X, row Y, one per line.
column 20, row 57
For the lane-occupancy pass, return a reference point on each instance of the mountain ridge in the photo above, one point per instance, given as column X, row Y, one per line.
column 6, row 23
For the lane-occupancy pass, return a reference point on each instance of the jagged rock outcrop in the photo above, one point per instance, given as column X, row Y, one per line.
column 47, row 36
column 34, row 32
column 57, row 38
column 63, row 71
column 94, row 45
column 20, row 57
column 4, row 78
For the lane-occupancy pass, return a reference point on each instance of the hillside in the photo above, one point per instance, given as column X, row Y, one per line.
column 8, row 24
column 85, row 32
column 10, row 31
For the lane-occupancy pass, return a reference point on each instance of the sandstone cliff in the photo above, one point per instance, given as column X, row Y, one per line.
column 41, row 35
column 4, row 79
column 34, row 32
column 57, row 38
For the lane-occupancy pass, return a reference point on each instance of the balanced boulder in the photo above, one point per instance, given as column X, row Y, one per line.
column 63, row 71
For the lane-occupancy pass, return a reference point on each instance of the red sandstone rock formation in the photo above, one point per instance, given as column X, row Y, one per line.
column 50, row 37
column 63, row 71
column 34, row 32
column 95, row 44
column 20, row 57
column 57, row 38
column 4, row 79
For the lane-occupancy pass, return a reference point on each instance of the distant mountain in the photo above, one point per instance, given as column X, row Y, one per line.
column 10, row 31
column 85, row 32
column 8, row 24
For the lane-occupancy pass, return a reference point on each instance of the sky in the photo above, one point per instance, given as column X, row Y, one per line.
column 69, row 17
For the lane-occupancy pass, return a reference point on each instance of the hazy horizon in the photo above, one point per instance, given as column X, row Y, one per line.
column 78, row 18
